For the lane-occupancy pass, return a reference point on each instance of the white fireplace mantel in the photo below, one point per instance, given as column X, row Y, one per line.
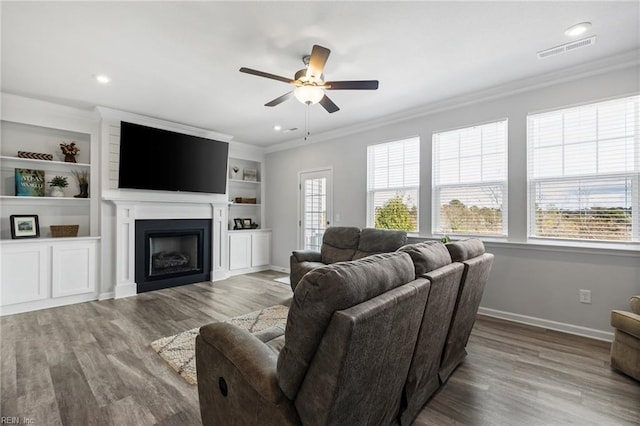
column 137, row 206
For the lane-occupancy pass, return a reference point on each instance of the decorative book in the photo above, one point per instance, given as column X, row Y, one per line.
column 29, row 183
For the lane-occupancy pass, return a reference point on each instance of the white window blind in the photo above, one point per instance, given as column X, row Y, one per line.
column 393, row 181
column 470, row 180
column 583, row 168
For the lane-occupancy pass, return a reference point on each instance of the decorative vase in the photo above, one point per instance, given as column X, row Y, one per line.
column 69, row 158
column 56, row 191
column 84, row 191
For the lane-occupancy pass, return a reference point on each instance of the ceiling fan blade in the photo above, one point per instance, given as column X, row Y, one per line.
column 328, row 104
column 279, row 100
column 266, row 75
column 351, row 85
column 317, row 61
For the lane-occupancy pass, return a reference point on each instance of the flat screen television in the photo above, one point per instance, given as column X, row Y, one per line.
column 158, row 159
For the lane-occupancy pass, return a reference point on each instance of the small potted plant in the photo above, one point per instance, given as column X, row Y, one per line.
column 70, row 150
column 56, row 184
column 83, row 182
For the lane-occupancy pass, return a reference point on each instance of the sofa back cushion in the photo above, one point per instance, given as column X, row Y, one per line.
column 374, row 241
column 427, row 256
column 339, row 244
column 465, row 249
column 324, row 291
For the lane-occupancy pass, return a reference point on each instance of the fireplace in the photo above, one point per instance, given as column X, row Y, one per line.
column 172, row 252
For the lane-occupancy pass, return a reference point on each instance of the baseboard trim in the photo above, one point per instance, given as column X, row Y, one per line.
column 279, row 269
column 105, row 296
column 548, row 324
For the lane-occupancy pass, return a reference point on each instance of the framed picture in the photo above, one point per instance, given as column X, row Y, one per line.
column 250, row 174
column 24, row 226
column 246, row 223
column 237, row 223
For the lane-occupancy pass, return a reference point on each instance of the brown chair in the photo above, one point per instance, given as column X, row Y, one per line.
column 625, row 348
column 344, row 357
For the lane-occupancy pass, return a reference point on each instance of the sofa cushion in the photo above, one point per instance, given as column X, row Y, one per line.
column 324, row 291
column 465, row 249
column 427, row 256
column 339, row 243
column 373, row 241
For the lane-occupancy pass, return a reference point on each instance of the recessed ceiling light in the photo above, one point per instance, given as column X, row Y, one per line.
column 102, row 79
column 277, row 127
column 577, row 29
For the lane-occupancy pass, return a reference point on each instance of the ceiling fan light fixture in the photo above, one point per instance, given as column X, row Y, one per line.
column 309, row 94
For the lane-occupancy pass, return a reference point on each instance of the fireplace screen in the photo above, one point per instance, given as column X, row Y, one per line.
column 172, row 254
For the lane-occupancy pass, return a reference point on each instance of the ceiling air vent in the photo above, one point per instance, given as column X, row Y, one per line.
column 564, row 48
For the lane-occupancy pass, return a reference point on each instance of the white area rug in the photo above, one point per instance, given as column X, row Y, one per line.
column 283, row 280
column 179, row 350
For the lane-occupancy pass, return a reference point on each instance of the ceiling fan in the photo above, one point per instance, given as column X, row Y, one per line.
column 310, row 84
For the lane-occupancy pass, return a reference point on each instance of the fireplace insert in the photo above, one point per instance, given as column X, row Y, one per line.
column 172, row 252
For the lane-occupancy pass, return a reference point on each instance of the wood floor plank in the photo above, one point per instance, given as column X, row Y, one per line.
column 92, row 363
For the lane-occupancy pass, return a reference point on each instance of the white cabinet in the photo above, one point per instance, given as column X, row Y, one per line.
column 25, row 276
column 45, row 273
column 249, row 251
column 239, row 251
column 260, row 248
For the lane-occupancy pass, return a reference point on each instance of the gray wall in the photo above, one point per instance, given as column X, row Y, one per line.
column 531, row 283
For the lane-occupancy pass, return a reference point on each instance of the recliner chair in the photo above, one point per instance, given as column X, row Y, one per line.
column 343, row 359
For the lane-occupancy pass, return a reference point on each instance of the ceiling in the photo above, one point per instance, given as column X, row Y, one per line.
column 179, row 61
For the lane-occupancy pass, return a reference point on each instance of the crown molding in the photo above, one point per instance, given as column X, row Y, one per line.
column 602, row 66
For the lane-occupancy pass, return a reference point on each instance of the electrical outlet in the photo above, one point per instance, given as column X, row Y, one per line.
column 585, row 296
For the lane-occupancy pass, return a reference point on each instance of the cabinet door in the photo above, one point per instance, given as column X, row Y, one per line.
column 25, row 273
column 239, row 251
column 73, row 269
column 260, row 249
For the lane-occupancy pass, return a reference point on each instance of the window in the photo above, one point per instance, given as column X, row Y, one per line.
column 470, row 180
column 393, row 180
column 583, row 171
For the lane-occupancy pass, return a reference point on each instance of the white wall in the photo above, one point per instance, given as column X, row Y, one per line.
column 528, row 282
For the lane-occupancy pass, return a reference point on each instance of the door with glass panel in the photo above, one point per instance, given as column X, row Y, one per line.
column 316, row 202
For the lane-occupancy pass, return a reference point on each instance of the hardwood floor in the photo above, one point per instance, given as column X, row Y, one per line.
column 91, row 364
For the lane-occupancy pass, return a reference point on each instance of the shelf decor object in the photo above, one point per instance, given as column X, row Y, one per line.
column 70, row 150
column 250, row 174
column 56, row 184
column 244, row 200
column 29, row 183
column 82, row 177
column 64, row 230
column 24, row 226
column 35, row 155
column 235, row 172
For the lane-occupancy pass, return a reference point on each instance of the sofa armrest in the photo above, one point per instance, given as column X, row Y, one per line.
column 627, row 322
column 252, row 359
column 306, row 255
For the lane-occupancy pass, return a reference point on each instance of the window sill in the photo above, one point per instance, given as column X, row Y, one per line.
column 598, row 248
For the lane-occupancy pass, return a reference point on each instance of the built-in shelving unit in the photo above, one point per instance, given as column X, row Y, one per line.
column 243, row 191
column 66, row 210
column 38, row 273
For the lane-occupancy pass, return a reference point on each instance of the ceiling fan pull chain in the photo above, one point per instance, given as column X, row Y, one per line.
column 306, row 123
